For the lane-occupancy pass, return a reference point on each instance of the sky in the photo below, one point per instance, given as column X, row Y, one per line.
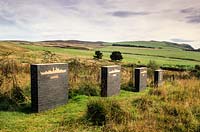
column 101, row 20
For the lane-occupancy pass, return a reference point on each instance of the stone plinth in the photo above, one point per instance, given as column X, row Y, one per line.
column 140, row 79
column 158, row 78
column 110, row 80
column 49, row 86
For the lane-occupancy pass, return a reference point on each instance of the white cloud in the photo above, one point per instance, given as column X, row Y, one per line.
column 106, row 20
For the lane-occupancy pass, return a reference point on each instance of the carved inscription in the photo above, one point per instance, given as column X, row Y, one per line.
column 53, row 71
column 114, row 71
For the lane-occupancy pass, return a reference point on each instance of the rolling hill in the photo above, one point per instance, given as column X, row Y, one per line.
column 139, row 52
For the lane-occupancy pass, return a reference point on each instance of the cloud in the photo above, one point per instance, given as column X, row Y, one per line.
column 192, row 15
column 6, row 21
column 178, row 40
column 99, row 20
column 187, row 10
column 128, row 13
column 193, row 19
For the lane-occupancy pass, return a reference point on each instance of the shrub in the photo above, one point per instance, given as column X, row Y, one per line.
column 178, row 118
column 87, row 89
column 179, row 95
column 7, row 103
column 11, row 94
column 161, row 92
column 196, row 71
column 143, row 103
column 98, row 55
column 49, row 57
column 197, row 67
column 12, row 100
column 153, row 65
column 116, row 56
column 105, row 111
column 127, row 86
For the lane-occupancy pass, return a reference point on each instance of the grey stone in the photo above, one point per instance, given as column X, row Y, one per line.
column 110, row 80
column 49, row 86
column 140, row 79
column 158, row 78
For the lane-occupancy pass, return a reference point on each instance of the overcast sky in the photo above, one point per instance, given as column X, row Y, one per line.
column 101, row 20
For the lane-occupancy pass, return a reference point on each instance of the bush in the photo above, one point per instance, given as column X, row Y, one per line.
column 127, row 86
column 178, row 118
column 196, row 71
column 11, row 94
column 49, row 57
column 160, row 92
column 105, row 111
column 116, row 56
column 153, row 65
column 143, row 103
column 98, row 55
column 197, row 67
column 12, row 100
column 87, row 89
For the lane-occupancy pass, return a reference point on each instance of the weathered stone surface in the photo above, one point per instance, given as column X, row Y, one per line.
column 49, row 86
column 158, row 78
column 110, row 80
column 140, row 79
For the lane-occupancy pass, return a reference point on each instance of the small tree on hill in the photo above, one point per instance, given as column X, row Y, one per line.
column 116, row 56
column 98, row 55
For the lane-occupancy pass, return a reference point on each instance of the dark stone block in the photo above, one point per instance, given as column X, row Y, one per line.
column 140, row 79
column 110, row 80
column 49, row 86
column 158, row 78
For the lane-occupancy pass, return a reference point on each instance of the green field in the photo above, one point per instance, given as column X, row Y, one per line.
column 171, row 107
column 54, row 120
column 168, row 56
column 154, row 44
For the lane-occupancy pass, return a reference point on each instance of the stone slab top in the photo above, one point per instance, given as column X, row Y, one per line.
column 112, row 66
column 49, row 64
column 159, row 70
column 141, row 68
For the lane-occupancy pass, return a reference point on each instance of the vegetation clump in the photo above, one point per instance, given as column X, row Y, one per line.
column 98, row 55
column 11, row 94
column 105, row 111
column 87, row 89
column 197, row 71
column 49, row 57
column 116, row 56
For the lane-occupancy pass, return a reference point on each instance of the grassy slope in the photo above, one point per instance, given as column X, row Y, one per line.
column 153, row 44
column 135, row 55
column 53, row 120
column 173, row 107
column 163, row 56
column 184, row 95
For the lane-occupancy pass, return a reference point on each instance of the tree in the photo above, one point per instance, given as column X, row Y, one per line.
column 116, row 56
column 98, row 55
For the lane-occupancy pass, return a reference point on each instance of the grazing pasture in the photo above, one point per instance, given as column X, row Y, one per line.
column 174, row 106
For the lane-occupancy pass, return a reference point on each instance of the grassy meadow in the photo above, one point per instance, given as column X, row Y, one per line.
column 165, row 56
column 171, row 107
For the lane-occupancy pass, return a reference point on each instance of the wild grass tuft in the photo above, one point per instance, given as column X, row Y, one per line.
column 106, row 111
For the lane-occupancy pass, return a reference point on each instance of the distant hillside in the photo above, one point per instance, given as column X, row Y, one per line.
column 73, row 44
column 153, row 44
column 182, row 46
column 87, row 45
